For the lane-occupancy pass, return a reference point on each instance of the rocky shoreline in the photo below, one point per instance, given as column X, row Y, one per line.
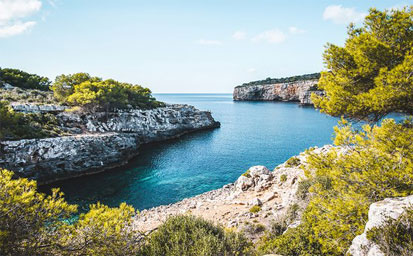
column 99, row 141
column 274, row 193
column 298, row 91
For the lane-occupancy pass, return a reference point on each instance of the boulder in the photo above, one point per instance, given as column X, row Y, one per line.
column 378, row 214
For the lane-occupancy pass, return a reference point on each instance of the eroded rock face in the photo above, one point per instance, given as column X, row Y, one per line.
column 299, row 91
column 36, row 108
column 378, row 213
column 103, row 141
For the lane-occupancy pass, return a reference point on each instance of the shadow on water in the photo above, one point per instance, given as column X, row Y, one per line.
column 251, row 133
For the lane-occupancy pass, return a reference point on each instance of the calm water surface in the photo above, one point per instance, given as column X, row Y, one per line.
column 251, row 133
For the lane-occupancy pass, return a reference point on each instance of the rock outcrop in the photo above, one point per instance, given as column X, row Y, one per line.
column 36, row 108
column 298, row 91
column 275, row 192
column 100, row 141
column 378, row 213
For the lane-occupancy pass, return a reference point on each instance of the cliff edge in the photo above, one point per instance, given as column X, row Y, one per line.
column 295, row 89
column 98, row 141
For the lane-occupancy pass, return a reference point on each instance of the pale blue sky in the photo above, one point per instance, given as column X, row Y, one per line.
column 175, row 46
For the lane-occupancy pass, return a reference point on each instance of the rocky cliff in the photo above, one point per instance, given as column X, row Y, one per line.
column 297, row 91
column 379, row 212
column 100, row 140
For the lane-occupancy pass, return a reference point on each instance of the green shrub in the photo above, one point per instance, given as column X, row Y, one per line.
column 255, row 209
column 93, row 93
column 293, row 162
column 254, row 228
column 27, row 96
column 303, row 188
column 21, row 79
column 395, row 236
column 283, row 178
column 15, row 126
column 189, row 235
column 247, row 174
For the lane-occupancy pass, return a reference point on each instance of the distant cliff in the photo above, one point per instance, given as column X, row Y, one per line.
column 297, row 89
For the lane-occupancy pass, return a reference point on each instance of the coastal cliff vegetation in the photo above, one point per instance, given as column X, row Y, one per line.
column 269, row 80
column 367, row 79
column 80, row 91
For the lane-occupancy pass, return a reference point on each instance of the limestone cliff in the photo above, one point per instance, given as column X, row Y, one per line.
column 378, row 213
column 100, row 140
column 297, row 91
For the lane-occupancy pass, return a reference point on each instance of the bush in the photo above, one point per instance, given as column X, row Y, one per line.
column 28, row 220
column 15, row 126
column 303, row 188
column 377, row 164
column 21, row 79
column 293, row 162
column 283, row 178
column 395, row 236
column 93, row 93
column 188, row 235
column 32, row 223
column 255, row 209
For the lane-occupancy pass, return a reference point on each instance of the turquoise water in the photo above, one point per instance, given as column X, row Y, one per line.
column 251, row 133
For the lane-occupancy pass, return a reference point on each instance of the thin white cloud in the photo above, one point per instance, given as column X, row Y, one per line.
column 15, row 29
column 342, row 15
column 251, row 70
column 271, row 36
column 13, row 13
column 294, row 30
column 239, row 35
column 209, row 42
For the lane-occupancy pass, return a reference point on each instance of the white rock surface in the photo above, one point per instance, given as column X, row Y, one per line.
column 107, row 140
column 378, row 213
column 299, row 91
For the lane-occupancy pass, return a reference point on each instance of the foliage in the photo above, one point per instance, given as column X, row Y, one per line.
column 247, row 174
column 254, row 228
column 188, row 235
column 255, row 209
column 377, row 163
column 63, row 85
column 21, row 79
column 395, row 236
column 27, row 96
column 293, row 162
column 372, row 75
column 102, row 231
column 283, row 178
column 29, row 220
column 303, row 188
column 15, row 125
column 291, row 79
column 93, row 93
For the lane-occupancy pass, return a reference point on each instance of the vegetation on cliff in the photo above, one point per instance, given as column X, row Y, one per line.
column 21, row 79
column 15, row 125
column 79, row 90
column 290, row 79
column 367, row 79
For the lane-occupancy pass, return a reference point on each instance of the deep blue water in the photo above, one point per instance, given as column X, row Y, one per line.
column 251, row 133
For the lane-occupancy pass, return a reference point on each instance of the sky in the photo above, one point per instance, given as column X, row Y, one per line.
column 176, row 46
